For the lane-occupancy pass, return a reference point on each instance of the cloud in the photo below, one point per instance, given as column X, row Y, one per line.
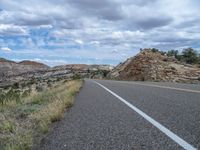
column 10, row 29
column 6, row 49
column 153, row 22
column 97, row 28
column 115, row 51
column 103, row 9
column 78, row 41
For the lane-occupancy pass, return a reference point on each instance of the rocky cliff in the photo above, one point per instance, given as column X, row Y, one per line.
column 153, row 66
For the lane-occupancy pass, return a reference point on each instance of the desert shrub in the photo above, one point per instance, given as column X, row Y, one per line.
column 173, row 53
column 2, row 98
column 26, row 93
column 15, row 85
column 7, row 126
column 10, row 95
column 39, row 88
column 154, row 50
column 190, row 56
column 163, row 53
column 105, row 73
column 13, row 95
column 76, row 76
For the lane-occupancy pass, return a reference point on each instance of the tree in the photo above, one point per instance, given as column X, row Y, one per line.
column 172, row 53
column 199, row 59
column 190, row 55
column 154, row 50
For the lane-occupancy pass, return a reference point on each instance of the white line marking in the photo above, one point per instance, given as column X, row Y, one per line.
column 164, row 87
column 166, row 131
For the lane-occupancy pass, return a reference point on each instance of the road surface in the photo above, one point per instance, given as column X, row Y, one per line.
column 121, row 115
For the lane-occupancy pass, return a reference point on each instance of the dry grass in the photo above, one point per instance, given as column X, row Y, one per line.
column 20, row 123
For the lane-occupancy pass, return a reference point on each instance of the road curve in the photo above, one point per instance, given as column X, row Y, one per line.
column 99, row 120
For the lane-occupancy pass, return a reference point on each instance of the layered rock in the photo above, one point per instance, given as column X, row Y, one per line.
column 10, row 68
column 153, row 66
column 11, row 72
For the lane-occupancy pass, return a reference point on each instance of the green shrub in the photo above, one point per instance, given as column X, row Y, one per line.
column 154, row 50
column 2, row 98
column 7, row 126
column 76, row 76
column 173, row 53
column 190, row 56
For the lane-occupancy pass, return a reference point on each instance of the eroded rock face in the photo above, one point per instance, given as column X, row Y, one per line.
column 11, row 68
column 153, row 66
column 12, row 72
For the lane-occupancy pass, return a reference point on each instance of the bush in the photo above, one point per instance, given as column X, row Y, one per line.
column 15, row 85
column 154, row 50
column 2, row 98
column 190, row 56
column 76, row 76
column 11, row 95
column 172, row 53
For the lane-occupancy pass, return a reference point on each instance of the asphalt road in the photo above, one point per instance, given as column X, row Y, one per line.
column 100, row 120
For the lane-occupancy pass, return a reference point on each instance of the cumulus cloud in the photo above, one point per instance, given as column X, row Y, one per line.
column 106, row 27
column 78, row 41
column 6, row 49
column 10, row 29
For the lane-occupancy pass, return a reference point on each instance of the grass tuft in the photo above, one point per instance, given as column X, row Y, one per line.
column 24, row 119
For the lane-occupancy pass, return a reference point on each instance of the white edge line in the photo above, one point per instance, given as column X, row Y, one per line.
column 166, row 131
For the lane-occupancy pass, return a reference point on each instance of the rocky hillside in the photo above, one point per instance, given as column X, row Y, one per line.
column 11, row 68
column 33, row 64
column 153, row 66
column 84, row 67
column 12, row 72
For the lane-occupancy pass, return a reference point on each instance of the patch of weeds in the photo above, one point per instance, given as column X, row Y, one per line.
column 10, row 95
column 26, row 93
column 25, row 110
column 22, row 141
column 34, row 114
column 7, row 126
column 43, row 126
column 41, row 98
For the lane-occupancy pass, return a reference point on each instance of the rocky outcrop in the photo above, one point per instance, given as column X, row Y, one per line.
column 11, row 72
column 34, row 65
column 153, row 66
column 11, row 68
column 84, row 67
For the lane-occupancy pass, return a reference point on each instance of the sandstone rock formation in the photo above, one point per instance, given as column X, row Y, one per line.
column 153, row 66
column 12, row 72
column 10, row 68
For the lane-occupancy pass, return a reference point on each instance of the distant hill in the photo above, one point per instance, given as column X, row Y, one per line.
column 84, row 67
column 155, row 66
column 34, row 64
column 5, row 60
column 11, row 72
column 11, row 68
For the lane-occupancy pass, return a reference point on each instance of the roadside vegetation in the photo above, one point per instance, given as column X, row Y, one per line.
column 188, row 55
column 26, row 114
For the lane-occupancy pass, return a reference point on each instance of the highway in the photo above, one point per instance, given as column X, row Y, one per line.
column 126, row 115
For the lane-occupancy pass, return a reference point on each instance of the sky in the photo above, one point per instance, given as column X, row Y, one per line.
column 59, row 32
